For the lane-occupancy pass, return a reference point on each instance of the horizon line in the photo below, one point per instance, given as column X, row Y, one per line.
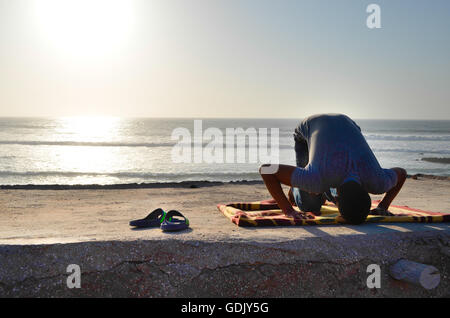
column 208, row 117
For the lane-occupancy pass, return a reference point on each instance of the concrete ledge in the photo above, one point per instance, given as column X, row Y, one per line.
column 314, row 267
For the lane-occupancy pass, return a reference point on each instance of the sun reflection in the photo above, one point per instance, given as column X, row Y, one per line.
column 87, row 163
column 85, row 160
column 89, row 129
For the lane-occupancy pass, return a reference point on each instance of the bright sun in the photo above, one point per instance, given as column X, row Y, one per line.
column 85, row 27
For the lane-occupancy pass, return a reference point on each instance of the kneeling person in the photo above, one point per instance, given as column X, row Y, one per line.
column 331, row 152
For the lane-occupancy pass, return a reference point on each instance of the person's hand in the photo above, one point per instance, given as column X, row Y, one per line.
column 380, row 211
column 295, row 214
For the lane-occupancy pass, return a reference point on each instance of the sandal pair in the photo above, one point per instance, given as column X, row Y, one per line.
column 168, row 221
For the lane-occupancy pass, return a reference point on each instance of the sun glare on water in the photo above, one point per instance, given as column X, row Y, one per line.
column 84, row 27
column 82, row 153
column 89, row 129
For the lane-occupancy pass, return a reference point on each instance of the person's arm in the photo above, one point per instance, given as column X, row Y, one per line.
column 273, row 183
column 291, row 197
column 384, row 204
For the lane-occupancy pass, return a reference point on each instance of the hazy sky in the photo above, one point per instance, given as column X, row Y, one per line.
column 224, row 58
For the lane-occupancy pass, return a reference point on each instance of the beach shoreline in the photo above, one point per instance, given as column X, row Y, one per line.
column 159, row 185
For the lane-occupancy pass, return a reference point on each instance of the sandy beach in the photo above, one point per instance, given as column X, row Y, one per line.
column 42, row 231
column 57, row 216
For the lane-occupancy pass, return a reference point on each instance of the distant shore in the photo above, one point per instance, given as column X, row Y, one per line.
column 437, row 160
column 156, row 185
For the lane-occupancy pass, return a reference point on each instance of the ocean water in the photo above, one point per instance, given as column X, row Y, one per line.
column 116, row 150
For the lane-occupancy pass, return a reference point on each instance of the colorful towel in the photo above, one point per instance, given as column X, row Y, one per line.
column 267, row 213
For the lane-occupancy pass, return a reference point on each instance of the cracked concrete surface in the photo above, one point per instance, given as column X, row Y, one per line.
column 178, row 268
column 42, row 232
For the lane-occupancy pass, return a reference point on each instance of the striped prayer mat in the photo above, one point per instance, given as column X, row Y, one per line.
column 266, row 213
